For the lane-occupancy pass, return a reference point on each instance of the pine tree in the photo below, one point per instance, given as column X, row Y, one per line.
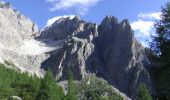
column 161, row 47
column 161, row 41
column 49, row 90
column 72, row 92
column 143, row 93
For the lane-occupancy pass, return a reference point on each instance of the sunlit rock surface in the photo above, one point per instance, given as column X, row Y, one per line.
column 108, row 50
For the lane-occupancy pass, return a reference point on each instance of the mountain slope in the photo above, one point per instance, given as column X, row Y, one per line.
column 17, row 43
column 108, row 50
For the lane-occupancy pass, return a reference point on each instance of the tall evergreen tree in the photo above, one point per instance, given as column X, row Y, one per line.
column 161, row 46
column 72, row 91
column 161, row 41
column 49, row 90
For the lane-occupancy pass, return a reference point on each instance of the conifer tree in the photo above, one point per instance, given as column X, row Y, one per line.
column 143, row 93
column 161, row 46
column 49, row 90
column 161, row 41
column 72, row 92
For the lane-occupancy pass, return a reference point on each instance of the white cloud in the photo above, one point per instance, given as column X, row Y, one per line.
column 142, row 30
column 142, row 26
column 80, row 6
column 154, row 15
column 52, row 20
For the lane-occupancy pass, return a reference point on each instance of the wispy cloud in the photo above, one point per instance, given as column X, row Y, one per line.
column 155, row 15
column 144, row 26
column 79, row 6
column 52, row 20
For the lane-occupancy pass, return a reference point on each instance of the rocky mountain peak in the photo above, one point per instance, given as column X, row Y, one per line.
column 66, row 27
column 109, row 20
column 15, row 27
column 77, row 18
column 18, row 46
column 108, row 50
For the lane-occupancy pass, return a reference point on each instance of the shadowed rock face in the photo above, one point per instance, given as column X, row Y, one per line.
column 109, row 50
column 123, row 57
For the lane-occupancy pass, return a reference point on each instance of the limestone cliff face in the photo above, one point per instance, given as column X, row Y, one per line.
column 15, row 27
column 17, row 44
column 123, row 57
column 108, row 50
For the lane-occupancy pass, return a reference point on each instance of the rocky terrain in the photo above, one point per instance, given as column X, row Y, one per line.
column 108, row 50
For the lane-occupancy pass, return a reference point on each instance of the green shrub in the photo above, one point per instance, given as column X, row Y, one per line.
column 143, row 93
column 97, row 90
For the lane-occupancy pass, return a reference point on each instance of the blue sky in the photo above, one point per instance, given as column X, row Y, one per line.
column 140, row 13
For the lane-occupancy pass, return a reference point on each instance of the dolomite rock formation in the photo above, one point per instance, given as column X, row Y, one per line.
column 108, row 50
column 17, row 44
column 17, row 26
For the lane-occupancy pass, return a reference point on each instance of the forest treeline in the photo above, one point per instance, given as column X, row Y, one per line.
column 30, row 87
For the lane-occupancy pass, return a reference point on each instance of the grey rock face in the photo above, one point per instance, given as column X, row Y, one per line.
column 109, row 50
column 77, row 47
column 17, row 43
column 123, row 57
column 15, row 27
column 66, row 27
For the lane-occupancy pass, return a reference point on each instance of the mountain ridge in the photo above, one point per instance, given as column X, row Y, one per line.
column 109, row 49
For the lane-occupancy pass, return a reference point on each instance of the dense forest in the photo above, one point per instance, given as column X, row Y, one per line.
column 29, row 87
column 13, row 83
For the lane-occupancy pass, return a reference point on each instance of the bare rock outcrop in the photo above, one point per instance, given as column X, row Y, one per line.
column 17, row 44
column 124, row 60
column 108, row 50
column 15, row 27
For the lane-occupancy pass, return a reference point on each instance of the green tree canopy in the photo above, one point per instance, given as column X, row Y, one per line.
column 143, row 93
column 49, row 90
column 72, row 91
column 161, row 47
column 161, row 41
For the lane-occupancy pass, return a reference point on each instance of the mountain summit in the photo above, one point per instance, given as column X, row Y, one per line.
column 108, row 50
